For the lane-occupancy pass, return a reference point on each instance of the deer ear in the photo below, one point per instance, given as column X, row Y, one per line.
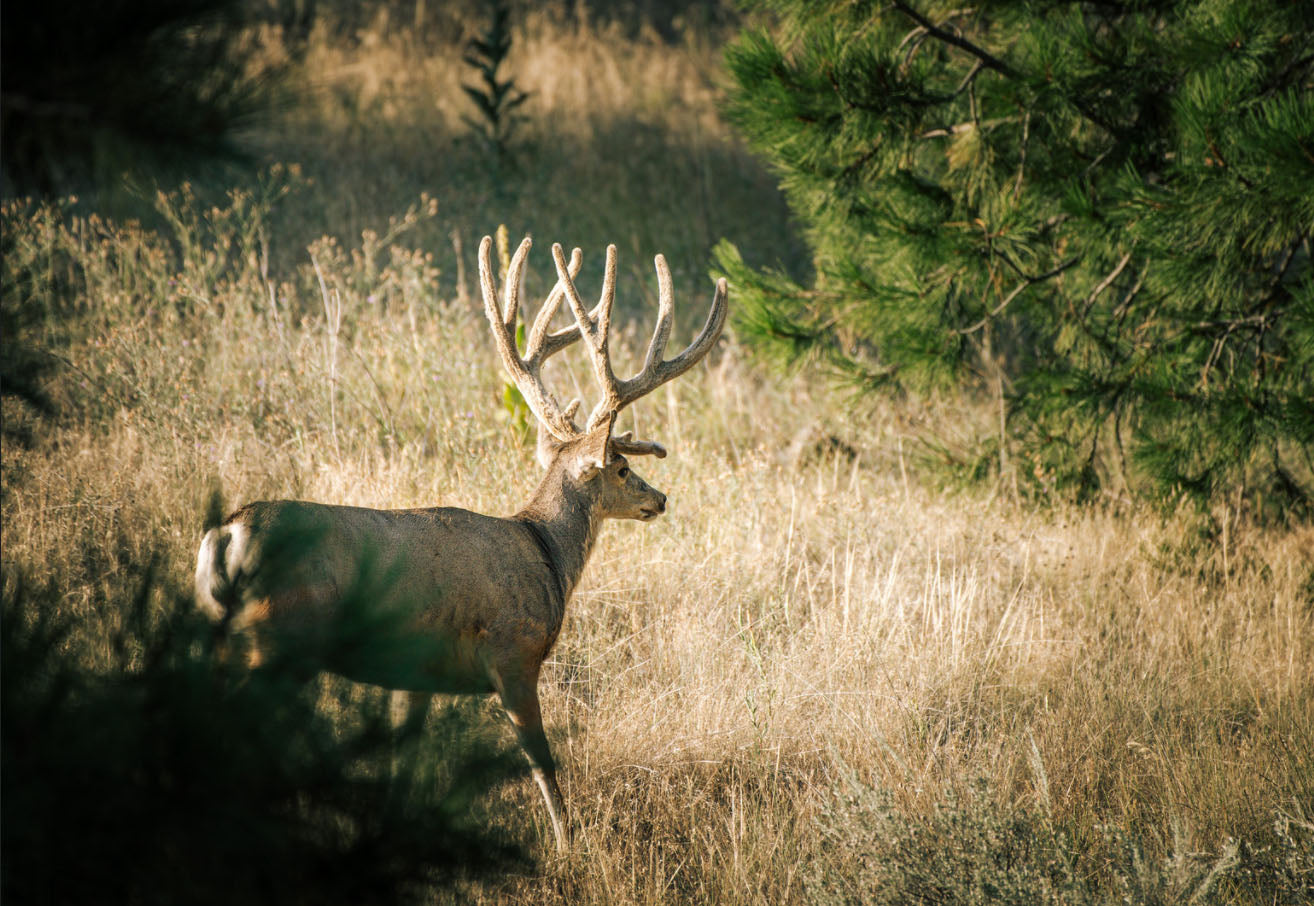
column 548, row 446
column 595, row 450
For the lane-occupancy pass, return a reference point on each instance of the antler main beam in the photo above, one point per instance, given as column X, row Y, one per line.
column 595, row 327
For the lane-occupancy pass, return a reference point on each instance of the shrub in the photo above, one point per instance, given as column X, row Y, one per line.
column 166, row 777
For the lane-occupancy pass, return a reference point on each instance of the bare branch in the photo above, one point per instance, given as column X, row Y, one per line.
column 959, row 128
column 1105, row 283
column 970, row 77
column 1022, row 154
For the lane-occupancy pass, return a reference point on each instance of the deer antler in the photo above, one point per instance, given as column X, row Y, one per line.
column 595, row 327
column 625, row 445
column 540, row 345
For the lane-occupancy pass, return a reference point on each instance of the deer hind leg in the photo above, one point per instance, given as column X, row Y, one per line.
column 237, row 636
column 520, row 699
column 408, row 709
column 407, row 712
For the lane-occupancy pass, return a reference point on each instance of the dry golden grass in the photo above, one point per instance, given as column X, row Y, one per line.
column 813, row 610
column 622, row 142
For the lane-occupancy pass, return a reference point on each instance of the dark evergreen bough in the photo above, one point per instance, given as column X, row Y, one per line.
column 1101, row 209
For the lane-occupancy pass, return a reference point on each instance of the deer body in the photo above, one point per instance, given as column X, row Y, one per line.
column 487, row 585
column 494, row 589
column 490, row 591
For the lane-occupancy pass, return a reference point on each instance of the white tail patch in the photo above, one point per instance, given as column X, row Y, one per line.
column 239, row 535
column 217, row 564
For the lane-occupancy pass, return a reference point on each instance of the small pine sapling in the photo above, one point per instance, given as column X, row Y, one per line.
column 496, row 100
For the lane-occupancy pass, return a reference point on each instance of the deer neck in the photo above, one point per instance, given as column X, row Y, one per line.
column 565, row 522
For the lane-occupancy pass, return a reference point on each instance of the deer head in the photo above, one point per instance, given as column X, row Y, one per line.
column 594, row 456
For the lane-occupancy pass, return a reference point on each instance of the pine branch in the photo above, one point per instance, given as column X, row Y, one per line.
column 1029, row 281
column 1104, row 284
column 1182, row 315
column 1290, row 73
column 986, row 58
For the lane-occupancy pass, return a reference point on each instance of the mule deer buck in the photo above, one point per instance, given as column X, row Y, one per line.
column 491, row 591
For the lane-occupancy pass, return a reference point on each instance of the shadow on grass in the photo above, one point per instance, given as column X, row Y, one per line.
column 970, row 849
column 627, row 179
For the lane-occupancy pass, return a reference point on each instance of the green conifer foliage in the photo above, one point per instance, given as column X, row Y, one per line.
column 1103, row 208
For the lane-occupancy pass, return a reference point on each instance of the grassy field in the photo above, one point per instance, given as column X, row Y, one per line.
column 822, row 676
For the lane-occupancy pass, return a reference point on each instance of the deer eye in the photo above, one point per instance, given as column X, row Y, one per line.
column 623, row 471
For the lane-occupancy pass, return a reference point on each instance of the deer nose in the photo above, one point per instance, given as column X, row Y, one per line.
column 661, row 502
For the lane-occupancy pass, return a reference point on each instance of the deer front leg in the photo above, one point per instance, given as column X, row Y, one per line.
column 519, row 695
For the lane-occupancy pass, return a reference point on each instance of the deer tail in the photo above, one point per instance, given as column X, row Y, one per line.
column 216, row 586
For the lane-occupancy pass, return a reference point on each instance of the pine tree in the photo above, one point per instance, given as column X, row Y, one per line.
column 94, row 91
column 1103, row 208
column 496, row 100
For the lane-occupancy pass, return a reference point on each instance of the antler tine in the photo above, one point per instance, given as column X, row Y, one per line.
column 665, row 310
column 626, row 446
column 655, row 372
column 488, row 285
column 616, row 394
column 541, row 344
column 525, row 373
column 515, row 275
column 605, row 302
column 591, row 326
column 596, row 324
